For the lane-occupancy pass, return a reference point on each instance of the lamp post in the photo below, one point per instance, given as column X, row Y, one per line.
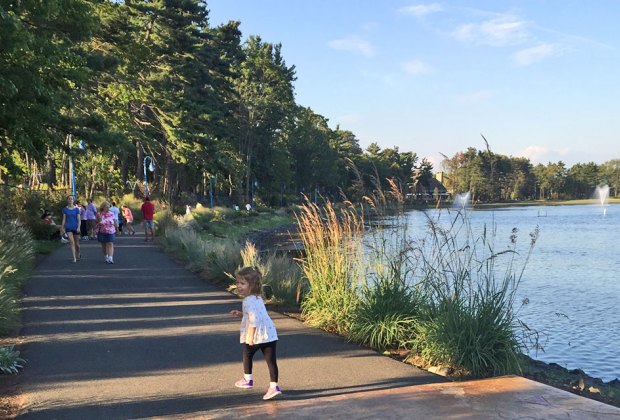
column 152, row 169
column 82, row 146
column 71, row 166
column 254, row 185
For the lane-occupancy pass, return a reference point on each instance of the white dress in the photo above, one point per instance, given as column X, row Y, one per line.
column 255, row 315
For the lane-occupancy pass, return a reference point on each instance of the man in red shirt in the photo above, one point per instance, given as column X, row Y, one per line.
column 148, row 210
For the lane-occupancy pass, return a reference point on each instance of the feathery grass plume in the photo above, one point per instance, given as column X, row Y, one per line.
column 165, row 220
column 16, row 259
column 469, row 321
column 385, row 316
column 281, row 276
column 9, row 308
column 332, row 264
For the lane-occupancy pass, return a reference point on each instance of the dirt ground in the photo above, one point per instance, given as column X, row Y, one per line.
column 9, row 396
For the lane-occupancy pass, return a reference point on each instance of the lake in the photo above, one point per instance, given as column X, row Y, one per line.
column 572, row 280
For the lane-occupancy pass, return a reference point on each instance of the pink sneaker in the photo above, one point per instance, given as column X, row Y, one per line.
column 272, row 393
column 242, row 383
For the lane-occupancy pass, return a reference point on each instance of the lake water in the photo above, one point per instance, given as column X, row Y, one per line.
column 572, row 280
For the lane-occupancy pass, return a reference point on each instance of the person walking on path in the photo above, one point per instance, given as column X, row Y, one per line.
column 83, row 222
column 128, row 216
column 116, row 212
column 70, row 226
column 106, row 230
column 258, row 331
column 148, row 211
column 91, row 218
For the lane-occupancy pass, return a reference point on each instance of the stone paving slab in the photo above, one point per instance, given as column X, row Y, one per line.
column 509, row 397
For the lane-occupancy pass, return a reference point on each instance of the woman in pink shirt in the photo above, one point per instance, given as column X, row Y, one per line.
column 128, row 216
column 106, row 231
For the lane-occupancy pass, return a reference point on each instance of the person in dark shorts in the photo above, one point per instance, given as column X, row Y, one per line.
column 70, row 226
column 106, row 231
column 148, row 211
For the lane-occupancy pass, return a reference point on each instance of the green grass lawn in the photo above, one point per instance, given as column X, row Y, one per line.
column 45, row 247
column 239, row 228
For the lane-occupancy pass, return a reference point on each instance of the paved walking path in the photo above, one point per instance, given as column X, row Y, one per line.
column 146, row 338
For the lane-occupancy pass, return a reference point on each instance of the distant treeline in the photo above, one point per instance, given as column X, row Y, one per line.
column 113, row 86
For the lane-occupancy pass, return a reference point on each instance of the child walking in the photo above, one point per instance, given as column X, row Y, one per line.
column 257, row 330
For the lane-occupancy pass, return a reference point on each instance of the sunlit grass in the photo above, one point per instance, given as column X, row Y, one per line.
column 332, row 264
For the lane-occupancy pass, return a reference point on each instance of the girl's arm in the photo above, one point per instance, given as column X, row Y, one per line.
column 64, row 219
column 249, row 336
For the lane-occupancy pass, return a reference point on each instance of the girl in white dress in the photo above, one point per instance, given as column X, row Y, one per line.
column 257, row 330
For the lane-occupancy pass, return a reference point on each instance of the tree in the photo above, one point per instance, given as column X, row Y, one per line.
column 40, row 67
column 265, row 90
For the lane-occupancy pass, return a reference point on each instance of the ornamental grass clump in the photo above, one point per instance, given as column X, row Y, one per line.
column 385, row 316
column 283, row 279
column 16, row 259
column 332, row 243
column 10, row 361
column 469, row 321
column 210, row 256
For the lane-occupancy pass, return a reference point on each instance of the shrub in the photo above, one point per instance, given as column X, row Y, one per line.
column 10, row 361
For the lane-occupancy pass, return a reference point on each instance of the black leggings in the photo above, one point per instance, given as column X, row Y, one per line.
column 269, row 352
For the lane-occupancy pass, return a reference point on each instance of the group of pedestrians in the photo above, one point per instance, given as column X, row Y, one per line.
column 88, row 222
column 257, row 330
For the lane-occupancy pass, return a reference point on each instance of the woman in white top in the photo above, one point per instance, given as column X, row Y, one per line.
column 257, row 330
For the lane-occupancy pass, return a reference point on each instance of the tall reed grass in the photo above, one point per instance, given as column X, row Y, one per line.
column 332, row 264
column 469, row 319
column 448, row 297
column 281, row 276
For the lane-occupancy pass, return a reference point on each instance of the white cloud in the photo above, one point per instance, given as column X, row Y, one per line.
column 498, row 32
column 541, row 154
column 535, row 54
column 421, row 9
column 416, row 67
column 355, row 45
column 477, row 97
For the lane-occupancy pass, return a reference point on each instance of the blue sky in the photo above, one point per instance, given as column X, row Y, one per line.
column 538, row 78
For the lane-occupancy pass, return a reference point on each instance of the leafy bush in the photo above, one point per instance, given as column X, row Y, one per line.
column 10, row 361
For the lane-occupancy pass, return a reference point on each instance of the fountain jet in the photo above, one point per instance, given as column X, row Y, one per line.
column 601, row 195
column 461, row 201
